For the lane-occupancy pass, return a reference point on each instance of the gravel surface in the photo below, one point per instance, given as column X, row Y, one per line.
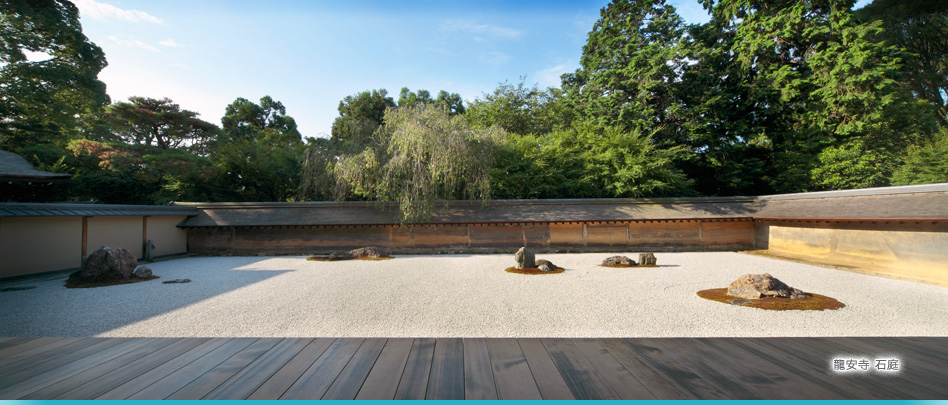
column 468, row 296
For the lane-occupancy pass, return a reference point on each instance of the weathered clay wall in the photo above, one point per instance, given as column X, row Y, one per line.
column 916, row 250
column 656, row 235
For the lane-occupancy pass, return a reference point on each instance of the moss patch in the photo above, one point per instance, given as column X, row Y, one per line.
column 534, row 270
column 327, row 259
column 812, row 302
column 78, row 283
column 624, row 266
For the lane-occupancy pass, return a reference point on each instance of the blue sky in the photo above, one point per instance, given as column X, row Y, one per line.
column 310, row 54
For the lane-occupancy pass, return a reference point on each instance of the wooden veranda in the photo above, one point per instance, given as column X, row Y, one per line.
column 469, row 368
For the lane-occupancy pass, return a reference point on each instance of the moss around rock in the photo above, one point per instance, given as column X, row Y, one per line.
column 534, row 270
column 811, row 302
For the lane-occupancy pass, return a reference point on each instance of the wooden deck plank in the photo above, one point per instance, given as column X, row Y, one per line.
column 283, row 379
column 65, row 385
column 414, row 382
column 551, row 384
column 319, row 377
column 350, row 380
column 581, row 376
column 446, row 380
column 139, row 383
column 49, row 372
column 216, row 376
column 731, row 376
column 52, row 355
column 816, row 356
column 382, row 381
column 658, row 383
column 13, row 341
column 793, row 380
column 182, row 377
column 914, row 379
column 511, row 372
column 621, row 379
column 787, row 358
column 25, row 355
column 478, row 377
column 251, row 377
column 132, row 369
column 931, row 349
column 7, row 354
column 674, row 369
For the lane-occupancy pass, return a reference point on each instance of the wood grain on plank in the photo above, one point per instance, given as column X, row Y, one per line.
column 50, row 372
column 658, row 383
column 53, row 359
column 551, row 384
column 350, row 380
column 511, row 372
column 139, row 383
column 34, row 355
column 283, row 379
column 314, row 382
column 65, row 385
column 414, row 382
column 675, row 369
column 132, row 369
column 446, row 380
column 216, row 376
column 251, row 377
column 619, row 378
column 478, row 377
column 382, row 381
column 581, row 376
column 185, row 375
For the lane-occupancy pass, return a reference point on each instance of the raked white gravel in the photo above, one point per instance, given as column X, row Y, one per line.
column 468, row 296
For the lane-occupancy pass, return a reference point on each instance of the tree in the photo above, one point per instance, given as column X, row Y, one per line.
column 162, row 123
column 449, row 101
column 919, row 29
column 361, row 114
column 520, row 109
column 40, row 100
column 925, row 163
column 630, row 66
column 420, row 155
column 260, row 151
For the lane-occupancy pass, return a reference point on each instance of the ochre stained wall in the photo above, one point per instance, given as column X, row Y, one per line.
column 31, row 245
column 116, row 232
column 909, row 250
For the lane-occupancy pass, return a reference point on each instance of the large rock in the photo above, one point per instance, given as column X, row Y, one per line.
column 618, row 261
column 525, row 259
column 107, row 264
column 756, row 286
column 370, row 251
column 540, row 263
column 647, row 259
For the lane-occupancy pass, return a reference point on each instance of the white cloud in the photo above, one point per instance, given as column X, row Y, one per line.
column 170, row 43
column 494, row 58
column 470, row 27
column 550, row 77
column 103, row 12
column 181, row 65
column 131, row 42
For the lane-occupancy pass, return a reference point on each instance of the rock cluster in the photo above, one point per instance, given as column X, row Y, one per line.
column 618, row 261
column 647, row 259
column 107, row 264
column 756, row 286
column 525, row 259
column 369, row 251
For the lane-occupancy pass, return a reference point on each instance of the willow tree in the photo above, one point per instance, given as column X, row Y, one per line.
column 418, row 156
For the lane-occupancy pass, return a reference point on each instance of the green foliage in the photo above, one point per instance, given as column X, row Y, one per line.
column 40, row 100
column 148, row 121
column 449, row 101
column 519, row 109
column 630, row 66
column 541, row 166
column 919, row 29
column 850, row 166
column 925, row 163
column 259, row 152
column 360, row 115
column 419, row 155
